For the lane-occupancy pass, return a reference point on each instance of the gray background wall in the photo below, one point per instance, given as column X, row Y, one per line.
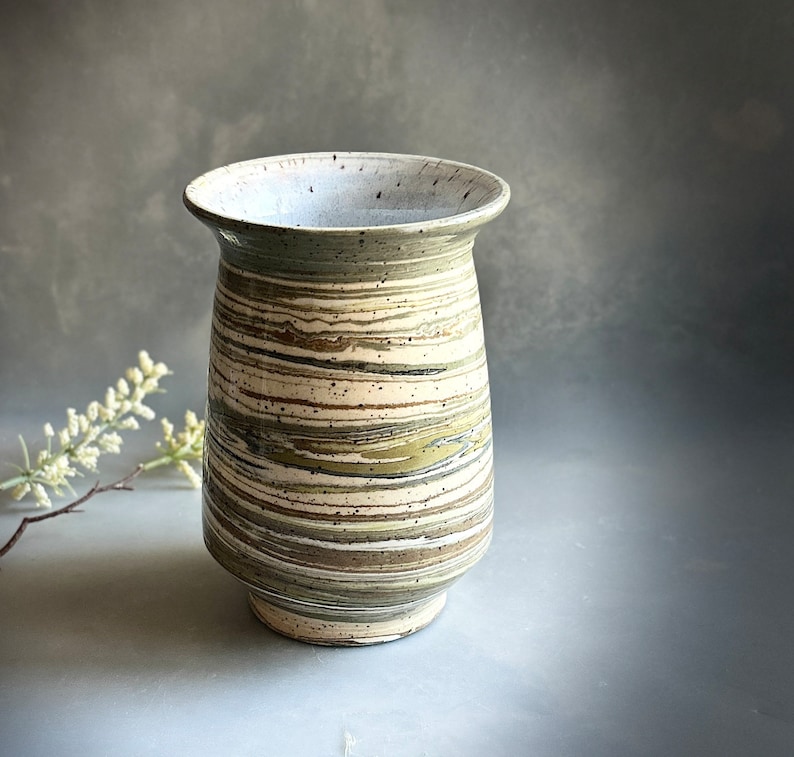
column 644, row 266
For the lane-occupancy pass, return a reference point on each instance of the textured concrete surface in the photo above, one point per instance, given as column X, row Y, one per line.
column 648, row 146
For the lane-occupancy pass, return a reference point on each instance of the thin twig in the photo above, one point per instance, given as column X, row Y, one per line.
column 123, row 484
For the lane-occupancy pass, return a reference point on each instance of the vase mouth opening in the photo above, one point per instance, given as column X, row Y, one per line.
column 347, row 191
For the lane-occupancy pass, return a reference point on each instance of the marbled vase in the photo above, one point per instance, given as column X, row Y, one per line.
column 348, row 462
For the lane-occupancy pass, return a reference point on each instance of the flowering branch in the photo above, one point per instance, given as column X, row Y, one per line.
column 88, row 435
column 177, row 450
column 121, row 484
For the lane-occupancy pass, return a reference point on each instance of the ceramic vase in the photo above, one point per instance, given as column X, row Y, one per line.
column 348, row 460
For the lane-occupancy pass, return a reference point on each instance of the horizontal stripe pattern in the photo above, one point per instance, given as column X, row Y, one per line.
column 348, row 459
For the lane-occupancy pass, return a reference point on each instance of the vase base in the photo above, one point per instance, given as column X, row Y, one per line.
column 344, row 633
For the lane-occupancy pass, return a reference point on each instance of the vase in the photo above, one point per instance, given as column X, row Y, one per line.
column 348, row 459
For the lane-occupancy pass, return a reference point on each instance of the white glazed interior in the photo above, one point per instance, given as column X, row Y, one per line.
column 347, row 190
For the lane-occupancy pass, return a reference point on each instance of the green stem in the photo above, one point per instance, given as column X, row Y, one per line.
column 12, row 482
column 173, row 456
column 24, row 452
column 157, row 462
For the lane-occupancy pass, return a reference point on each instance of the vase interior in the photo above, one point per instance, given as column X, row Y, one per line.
column 347, row 190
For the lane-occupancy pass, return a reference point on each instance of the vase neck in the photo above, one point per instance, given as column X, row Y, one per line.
column 365, row 255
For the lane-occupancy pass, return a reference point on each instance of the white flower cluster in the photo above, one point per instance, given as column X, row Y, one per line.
column 88, row 435
column 186, row 445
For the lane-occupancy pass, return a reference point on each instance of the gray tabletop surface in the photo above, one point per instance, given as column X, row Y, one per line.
column 636, row 600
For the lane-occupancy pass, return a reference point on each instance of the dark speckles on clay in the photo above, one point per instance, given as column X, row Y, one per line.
column 324, row 420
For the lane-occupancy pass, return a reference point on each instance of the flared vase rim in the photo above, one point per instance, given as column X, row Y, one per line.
column 454, row 222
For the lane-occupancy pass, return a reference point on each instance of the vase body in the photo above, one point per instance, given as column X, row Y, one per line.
column 348, row 460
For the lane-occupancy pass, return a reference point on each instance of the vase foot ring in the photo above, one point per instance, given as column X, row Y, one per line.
column 344, row 633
